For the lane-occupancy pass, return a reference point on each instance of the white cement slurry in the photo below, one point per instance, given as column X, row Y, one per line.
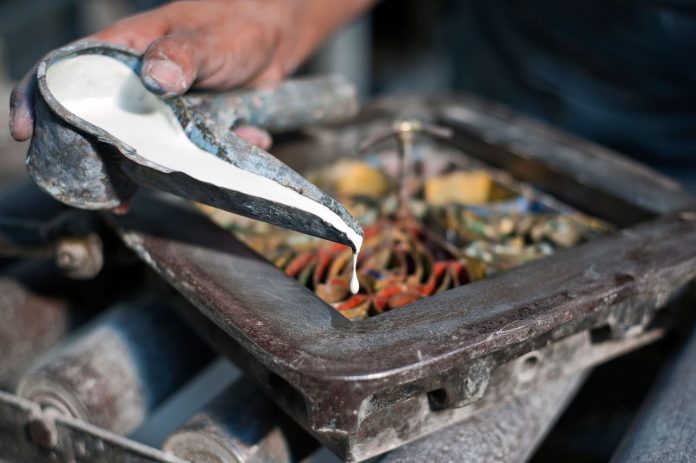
column 108, row 94
column 354, row 283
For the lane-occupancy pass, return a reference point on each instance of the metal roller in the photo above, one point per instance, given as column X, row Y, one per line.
column 40, row 305
column 32, row 321
column 123, row 365
column 240, row 426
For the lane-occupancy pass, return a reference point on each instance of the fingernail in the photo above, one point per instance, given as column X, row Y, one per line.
column 164, row 77
column 12, row 115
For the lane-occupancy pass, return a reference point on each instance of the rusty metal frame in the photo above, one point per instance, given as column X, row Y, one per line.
column 365, row 387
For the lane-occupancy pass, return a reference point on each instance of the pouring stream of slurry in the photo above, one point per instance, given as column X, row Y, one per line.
column 129, row 112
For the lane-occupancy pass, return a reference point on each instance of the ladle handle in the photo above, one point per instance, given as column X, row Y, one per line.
column 290, row 105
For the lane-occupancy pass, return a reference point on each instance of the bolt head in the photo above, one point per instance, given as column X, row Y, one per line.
column 42, row 431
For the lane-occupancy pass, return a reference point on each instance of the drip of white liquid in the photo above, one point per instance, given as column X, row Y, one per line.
column 354, row 283
column 107, row 93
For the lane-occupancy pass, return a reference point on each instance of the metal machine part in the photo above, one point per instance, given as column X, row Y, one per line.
column 31, row 322
column 447, row 357
column 404, row 131
column 22, row 200
column 241, row 425
column 364, row 387
column 33, row 225
column 124, row 364
column 508, row 432
column 63, row 438
column 86, row 167
column 665, row 427
column 79, row 254
column 589, row 176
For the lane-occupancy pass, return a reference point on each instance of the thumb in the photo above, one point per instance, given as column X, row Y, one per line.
column 169, row 65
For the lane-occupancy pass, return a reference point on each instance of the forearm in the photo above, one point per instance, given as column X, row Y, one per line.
column 324, row 17
column 313, row 21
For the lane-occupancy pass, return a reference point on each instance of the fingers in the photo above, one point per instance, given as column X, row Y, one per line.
column 255, row 135
column 213, row 48
column 22, row 107
column 169, row 65
column 137, row 32
column 237, row 56
column 123, row 208
column 269, row 77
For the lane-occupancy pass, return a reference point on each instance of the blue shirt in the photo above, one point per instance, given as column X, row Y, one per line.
column 620, row 72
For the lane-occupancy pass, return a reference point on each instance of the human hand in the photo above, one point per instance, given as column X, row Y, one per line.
column 212, row 44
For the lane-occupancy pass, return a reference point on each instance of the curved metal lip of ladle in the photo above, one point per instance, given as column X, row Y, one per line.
column 84, row 166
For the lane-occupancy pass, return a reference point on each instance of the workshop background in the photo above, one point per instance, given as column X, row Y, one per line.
column 400, row 47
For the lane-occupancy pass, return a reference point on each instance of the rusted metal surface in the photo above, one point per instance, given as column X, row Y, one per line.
column 665, row 428
column 64, row 439
column 241, row 425
column 86, row 167
column 508, row 432
column 131, row 359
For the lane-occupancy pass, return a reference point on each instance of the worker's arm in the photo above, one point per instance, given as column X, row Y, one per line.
column 213, row 44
